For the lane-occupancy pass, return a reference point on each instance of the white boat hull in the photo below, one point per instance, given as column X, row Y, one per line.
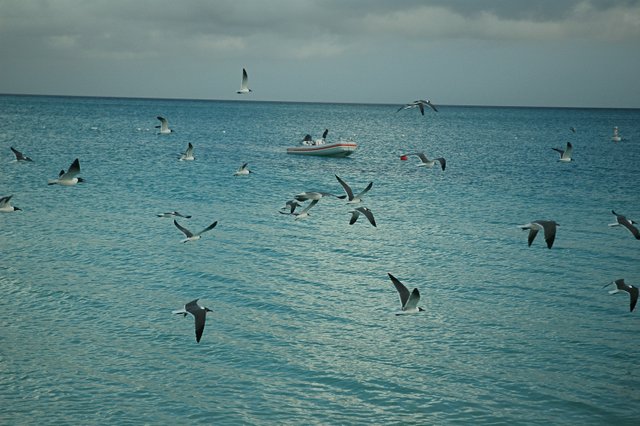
column 340, row 149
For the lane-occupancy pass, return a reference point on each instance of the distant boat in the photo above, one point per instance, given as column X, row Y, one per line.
column 339, row 149
column 616, row 137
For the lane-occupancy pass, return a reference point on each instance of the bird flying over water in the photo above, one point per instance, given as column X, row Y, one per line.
column 290, row 205
column 548, row 226
column 419, row 104
column 199, row 313
column 164, row 125
column 6, row 207
column 190, row 235
column 408, row 301
column 244, row 85
column 305, row 212
column 565, row 154
column 357, row 198
column 174, row 214
column 313, row 195
column 622, row 286
column 627, row 223
column 19, row 155
column 355, row 214
column 188, row 154
column 425, row 162
column 68, row 178
column 243, row 170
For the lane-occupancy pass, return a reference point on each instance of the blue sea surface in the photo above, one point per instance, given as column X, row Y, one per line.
column 303, row 328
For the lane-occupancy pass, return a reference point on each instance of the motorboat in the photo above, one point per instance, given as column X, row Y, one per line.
column 338, row 149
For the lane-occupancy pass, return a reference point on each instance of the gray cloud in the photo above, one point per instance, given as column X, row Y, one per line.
column 144, row 36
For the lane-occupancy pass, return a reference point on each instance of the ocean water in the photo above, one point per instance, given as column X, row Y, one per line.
column 303, row 329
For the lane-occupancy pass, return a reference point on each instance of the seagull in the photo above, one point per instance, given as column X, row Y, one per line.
column 305, row 212
column 198, row 312
column 311, row 195
column 419, row 104
column 549, row 227
column 174, row 214
column 627, row 223
column 622, row 286
column 355, row 214
column 347, row 189
column 565, row 155
column 243, row 170
column 188, row 154
column 164, row 125
column 68, row 178
column 19, row 155
column 6, row 207
column 409, row 301
column 190, row 235
column 244, row 86
column 425, row 161
column 290, row 205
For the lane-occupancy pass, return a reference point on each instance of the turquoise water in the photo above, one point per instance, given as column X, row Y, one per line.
column 303, row 329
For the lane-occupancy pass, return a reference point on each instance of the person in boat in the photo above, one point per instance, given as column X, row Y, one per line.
column 308, row 140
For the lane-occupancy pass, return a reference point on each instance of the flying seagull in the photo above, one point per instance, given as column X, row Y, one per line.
column 353, row 199
column 409, row 301
column 425, row 162
column 243, row 170
column 548, row 226
column 164, row 125
column 68, row 178
column 244, row 86
column 312, row 195
column 20, row 156
column 6, row 207
column 305, row 212
column 174, row 214
column 419, row 104
column 190, row 235
column 565, row 154
column 198, row 312
column 627, row 223
column 355, row 214
column 622, row 286
column 290, row 205
column 188, row 154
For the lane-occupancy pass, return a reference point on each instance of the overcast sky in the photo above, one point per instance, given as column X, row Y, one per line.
column 583, row 53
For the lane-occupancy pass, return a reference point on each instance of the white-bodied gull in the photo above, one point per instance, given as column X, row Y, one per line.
column 188, row 154
column 190, row 235
column 622, row 286
column 357, row 198
column 243, row 170
column 312, row 195
column 424, row 161
column 408, row 301
column 627, row 223
column 419, row 104
column 164, row 125
column 19, row 156
column 198, row 312
column 548, row 226
column 6, row 207
column 68, row 178
column 355, row 214
column 565, row 154
column 305, row 212
column 174, row 214
column 244, row 85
